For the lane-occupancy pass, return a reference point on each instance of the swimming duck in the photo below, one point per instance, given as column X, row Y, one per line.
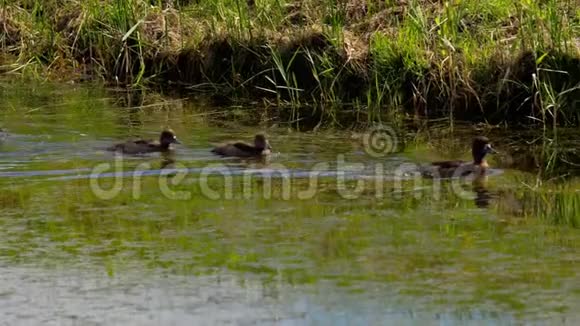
column 481, row 146
column 140, row 146
column 261, row 147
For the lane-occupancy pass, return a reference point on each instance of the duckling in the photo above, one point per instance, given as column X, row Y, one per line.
column 481, row 146
column 261, row 147
column 141, row 146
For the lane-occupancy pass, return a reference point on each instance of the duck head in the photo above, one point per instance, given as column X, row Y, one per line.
column 167, row 138
column 261, row 143
column 481, row 147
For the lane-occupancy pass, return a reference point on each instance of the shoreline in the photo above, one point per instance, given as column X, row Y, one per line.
column 506, row 64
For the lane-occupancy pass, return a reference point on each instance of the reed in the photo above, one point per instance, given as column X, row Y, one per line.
column 461, row 59
column 556, row 203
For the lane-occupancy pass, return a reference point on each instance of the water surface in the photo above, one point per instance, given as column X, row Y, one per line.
column 171, row 246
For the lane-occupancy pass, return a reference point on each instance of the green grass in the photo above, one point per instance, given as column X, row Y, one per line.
column 488, row 61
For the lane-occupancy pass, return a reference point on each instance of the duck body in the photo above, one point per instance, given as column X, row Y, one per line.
column 452, row 169
column 260, row 148
column 139, row 147
column 143, row 146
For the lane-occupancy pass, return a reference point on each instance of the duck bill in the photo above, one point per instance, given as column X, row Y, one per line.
column 176, row 141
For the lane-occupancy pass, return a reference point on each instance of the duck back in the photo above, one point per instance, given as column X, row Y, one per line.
column 237, row 149
column 137, row 147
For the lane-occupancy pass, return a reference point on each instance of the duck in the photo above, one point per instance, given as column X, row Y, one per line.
column 260, row 148
column 141, row 146
column 481, row 146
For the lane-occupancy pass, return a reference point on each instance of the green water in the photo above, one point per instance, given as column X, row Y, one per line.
column 191, row 238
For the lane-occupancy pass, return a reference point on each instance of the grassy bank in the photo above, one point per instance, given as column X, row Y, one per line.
column 499, row 60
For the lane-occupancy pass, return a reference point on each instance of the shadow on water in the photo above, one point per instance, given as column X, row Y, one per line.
column 324, row 232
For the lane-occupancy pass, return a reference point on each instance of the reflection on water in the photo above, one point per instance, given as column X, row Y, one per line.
column 482, row 195
column 321, row 233
column 62, row 297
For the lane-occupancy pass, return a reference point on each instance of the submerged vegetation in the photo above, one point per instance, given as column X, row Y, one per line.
column 497, row 250
column 493, row 61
